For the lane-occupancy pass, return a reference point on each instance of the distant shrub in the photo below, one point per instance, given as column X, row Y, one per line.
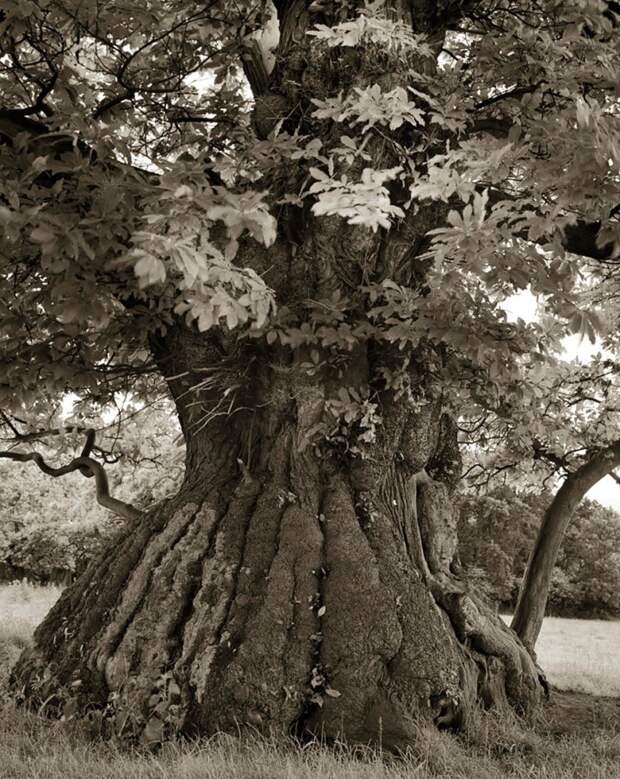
column 51, row 527
column 496, row 535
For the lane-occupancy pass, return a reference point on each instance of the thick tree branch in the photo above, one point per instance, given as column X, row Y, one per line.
column 254, row 68
column 87, row 467
column 579, row 238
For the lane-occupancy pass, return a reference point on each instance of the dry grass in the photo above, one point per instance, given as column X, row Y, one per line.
column 576, row 737
column 22, row 607
column 32, row 748
column 580, row 654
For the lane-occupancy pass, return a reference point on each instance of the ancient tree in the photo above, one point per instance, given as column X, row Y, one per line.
column 302, row 218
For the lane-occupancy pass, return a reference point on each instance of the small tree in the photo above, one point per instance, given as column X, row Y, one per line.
column 569, row 434
column 534, row 592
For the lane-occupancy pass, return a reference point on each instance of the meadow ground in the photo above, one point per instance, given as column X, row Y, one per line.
column 580, row 654
column 22, row 607
column 576, row 735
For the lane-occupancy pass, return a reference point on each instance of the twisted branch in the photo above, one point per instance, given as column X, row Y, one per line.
column 88, row 467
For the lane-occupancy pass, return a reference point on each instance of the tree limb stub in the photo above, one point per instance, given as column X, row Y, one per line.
column 87, row 467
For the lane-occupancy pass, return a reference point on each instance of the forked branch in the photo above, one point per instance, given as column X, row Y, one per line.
column 88, row 467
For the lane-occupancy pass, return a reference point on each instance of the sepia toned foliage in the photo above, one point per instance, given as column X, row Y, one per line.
column 304, row 220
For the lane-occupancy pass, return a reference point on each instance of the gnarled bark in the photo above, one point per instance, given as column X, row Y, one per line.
column 301, row 582
column 293, row 588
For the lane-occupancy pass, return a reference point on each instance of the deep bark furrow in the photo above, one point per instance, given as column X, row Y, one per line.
column 302, row 724
column 426, row 667
column 292, row 629
column 154, row 637
column 264, row 531
column 219, row 582
column 296, row 580
column 138, row 586
column 235, row 577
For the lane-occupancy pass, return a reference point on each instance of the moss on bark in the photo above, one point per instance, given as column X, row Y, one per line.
column 290, row 601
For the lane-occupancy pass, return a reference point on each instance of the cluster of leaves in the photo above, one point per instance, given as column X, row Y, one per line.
column 371, row 27
column 349, row 424
column 506, row 165
column 509, row 197
column 366, row 202
column 571, row 413
column 175, row 240
column 371, row 106
column 110, row 222
column 137, row 192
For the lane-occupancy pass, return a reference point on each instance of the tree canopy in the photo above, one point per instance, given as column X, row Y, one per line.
column 141, row 147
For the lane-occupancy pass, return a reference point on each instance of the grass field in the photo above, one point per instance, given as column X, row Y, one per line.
column 22, row 607
column 577, row 736
column 581, row 654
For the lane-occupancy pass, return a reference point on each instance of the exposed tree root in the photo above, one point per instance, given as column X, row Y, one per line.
column 294, row 604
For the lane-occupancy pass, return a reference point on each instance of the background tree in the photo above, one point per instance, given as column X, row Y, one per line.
column 568, row 434
column 590, row 560
column 497, row 531
column 309, row 236
column 528, row 616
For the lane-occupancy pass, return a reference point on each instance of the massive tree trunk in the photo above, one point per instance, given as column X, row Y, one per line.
column 529, row 614
column 301, row 582
column 294, row 588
